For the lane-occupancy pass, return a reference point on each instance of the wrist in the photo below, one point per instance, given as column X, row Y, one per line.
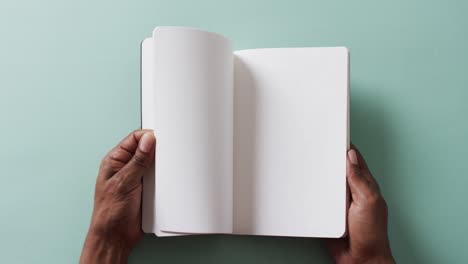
column 99, row 248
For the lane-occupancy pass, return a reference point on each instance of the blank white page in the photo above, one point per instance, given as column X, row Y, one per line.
column 290, row 141
column 193, row 112
column 148, row 218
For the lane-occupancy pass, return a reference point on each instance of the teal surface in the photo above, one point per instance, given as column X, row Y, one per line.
column 69, row 90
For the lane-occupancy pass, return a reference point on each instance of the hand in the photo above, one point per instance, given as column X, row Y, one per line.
column 367, row 240
column 115, row 224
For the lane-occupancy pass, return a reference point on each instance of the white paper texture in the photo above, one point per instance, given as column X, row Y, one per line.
column 149, row 223
column 290, row 141
column 193, row 108
column 147, row 122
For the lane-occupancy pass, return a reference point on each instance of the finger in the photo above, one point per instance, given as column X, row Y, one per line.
column 362, row 163
column 130, row 175
column 120, row 155
column 358, row 185
column 366, row 171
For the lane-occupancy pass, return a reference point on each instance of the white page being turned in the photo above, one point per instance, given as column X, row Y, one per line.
column 193, row 126
column 148, row 207
column 148, row 219
column 290, row 142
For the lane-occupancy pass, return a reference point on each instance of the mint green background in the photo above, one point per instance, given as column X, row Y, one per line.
column 69, row 90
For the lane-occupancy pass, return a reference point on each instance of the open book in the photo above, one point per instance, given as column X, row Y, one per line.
column 248, row 142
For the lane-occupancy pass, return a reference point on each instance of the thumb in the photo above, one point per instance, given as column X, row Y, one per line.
column 130, row 175
column 358, row 185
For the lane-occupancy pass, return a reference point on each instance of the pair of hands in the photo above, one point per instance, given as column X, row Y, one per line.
column 115, row 225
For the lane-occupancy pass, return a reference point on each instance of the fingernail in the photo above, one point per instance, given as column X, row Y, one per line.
column 147, row 142
column 352, row 157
